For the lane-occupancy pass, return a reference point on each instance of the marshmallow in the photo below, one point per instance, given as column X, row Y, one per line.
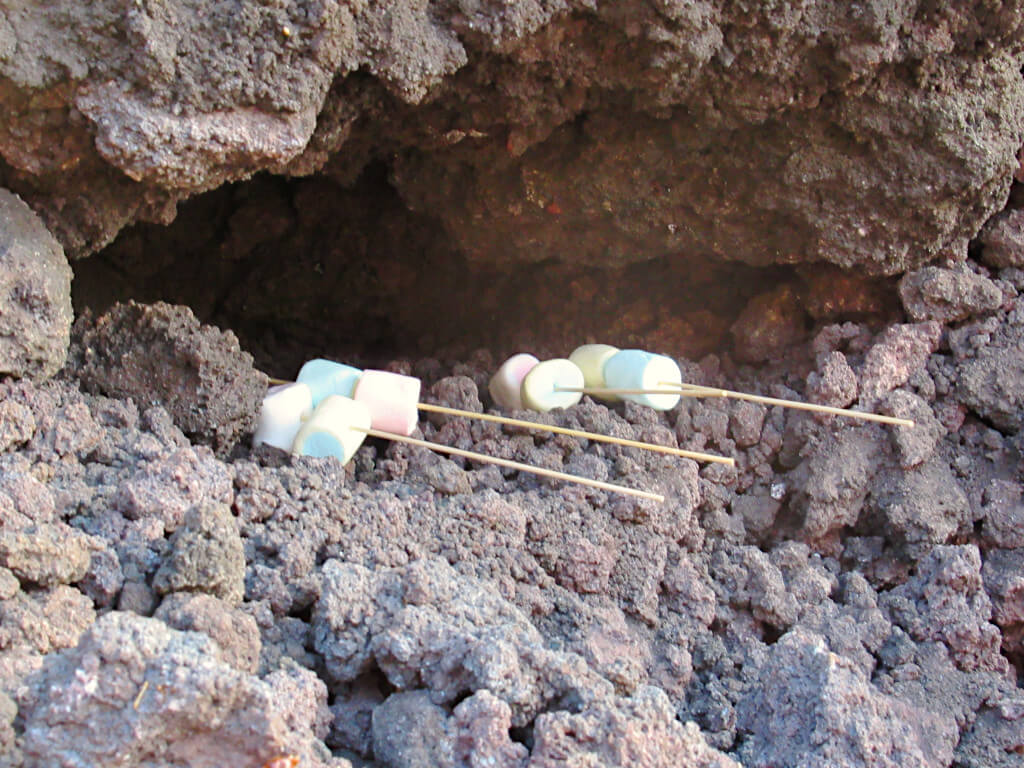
column 540, row 390
column 506, row 385
column 393, row 400
column 335, row 429
column 636, row 369
column 284, row 409
column 325, row 377
column 591, row 359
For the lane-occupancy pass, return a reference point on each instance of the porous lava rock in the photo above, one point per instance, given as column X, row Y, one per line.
column 991, row 368
column 35, row 293
column 641, row 730
column 421, row 626
column 847, row 594
column 948, row 295
column 1003, row 239
column 160, row 353
column 110, row 698
column 600, row 133
column 816, row 708
column 205, row 554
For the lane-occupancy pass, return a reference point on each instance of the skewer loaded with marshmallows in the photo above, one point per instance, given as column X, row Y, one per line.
column 610, row 373
column 331, row 408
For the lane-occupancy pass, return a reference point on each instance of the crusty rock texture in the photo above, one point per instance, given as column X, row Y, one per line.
column 35, row 294
column 804, row 199
column 812, row 707
column 847, row 594
column 598, row 133
column 161, row 353
column 109, row 700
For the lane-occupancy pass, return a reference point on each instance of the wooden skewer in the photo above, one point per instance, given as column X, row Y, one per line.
column 278, row 382
column 514, row 465
column 704, row 391
column 696, row 390
column 578, row 433
column 142, row 692
column 594, row 436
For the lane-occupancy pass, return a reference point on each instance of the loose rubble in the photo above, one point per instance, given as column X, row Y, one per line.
column 35, row 293
column 847, row 594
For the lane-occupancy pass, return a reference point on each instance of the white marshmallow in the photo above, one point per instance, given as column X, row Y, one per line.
column 334, row 429
column 393, row 400
column 591, row 359
column 284, row 409
column 540, row 390
column 636, row 369
column 506, row 385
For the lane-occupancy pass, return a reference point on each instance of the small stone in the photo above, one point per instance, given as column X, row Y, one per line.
column 914, row 444
column 235, row 632
column 35, row 294
column 409, row 731
column 206, row 555
column 897, row 353
column 137, row 597
column 836, row 384
column 948, row 295
column 745, row 422
column 46, row 554
column 17, row 424
column 769, row 324
column 1003, row 240
column 9, row 584
column 104, row 579
column 161, row 354
column 991, row 383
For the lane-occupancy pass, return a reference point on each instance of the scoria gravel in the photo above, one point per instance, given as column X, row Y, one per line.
column 847, row 594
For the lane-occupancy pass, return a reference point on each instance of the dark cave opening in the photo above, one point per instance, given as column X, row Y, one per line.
column 307, row 267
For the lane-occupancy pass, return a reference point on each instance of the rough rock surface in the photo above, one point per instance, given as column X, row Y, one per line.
column 161, row 354
column 604, row 133
column 236, row 633
column 813, row 707
column 421, row 628
column 204, row 555
column 110, row 698
column 990, row 368
column 35, row 293
column 642, row 730
column 846, row 594
column 948, row 295
column 1003, row 240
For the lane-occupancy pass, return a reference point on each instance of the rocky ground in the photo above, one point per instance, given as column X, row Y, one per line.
column 806, row 199
column 848, row 595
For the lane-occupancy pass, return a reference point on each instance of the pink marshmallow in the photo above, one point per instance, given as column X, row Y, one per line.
column 506, row 384
column 393, row 400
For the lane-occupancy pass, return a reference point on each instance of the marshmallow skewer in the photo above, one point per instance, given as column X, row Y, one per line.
column 695, row 390
column 405, row 389
column 653, row 379
column 594, row 436
column 339, row 424
column 480, row 457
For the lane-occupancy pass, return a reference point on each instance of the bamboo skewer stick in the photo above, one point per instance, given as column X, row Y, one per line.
column 578, row 433
column 695, row 390
column 514, row 465
column 705, row 391
column 594, row 436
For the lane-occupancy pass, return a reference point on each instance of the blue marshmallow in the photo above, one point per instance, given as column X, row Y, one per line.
column 636, row 369
column 326, row 377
